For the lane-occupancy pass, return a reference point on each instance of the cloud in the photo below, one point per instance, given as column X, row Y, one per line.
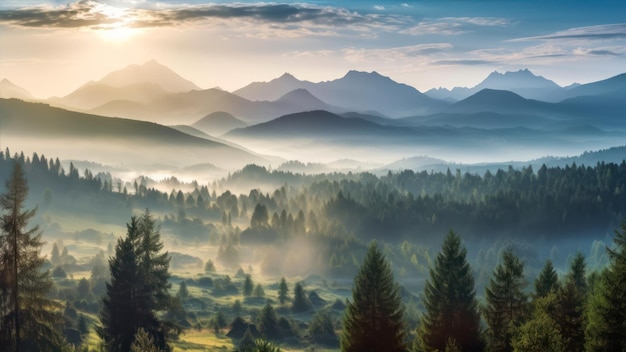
column 453, row 25
column 379, row 8
column 462, row 62
column 94, row 15
column 396, row 54
column 606, row 31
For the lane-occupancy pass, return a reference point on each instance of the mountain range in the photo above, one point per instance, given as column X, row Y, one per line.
column 115, row 141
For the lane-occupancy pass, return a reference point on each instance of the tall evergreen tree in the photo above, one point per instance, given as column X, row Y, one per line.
column 248, row 286
column 547, row 281
column 572, row 301
column 29, row 321
column 506, row 302
column 301, row 302
column 123, row 306
column 449, row 299
column 283, row 291
column 373, row 321
column 138, row 289
column 606, row 330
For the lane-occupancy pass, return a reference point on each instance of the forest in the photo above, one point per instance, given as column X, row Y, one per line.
column 261, row 260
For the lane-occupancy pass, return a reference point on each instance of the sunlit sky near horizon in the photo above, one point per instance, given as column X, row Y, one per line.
column 53, row 47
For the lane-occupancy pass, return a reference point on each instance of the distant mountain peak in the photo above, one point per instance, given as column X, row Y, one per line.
column 149, row 72
column 9, row 89
column 287, row 76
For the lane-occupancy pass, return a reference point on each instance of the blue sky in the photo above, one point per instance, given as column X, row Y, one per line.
column 53, row 47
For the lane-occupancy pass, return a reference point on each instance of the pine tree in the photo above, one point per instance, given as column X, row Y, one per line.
column 123, row 306
column 540, row 333
column 373, row 321
column 506, row 302
column 572, row 301
column 183, row 291
column 300, row 302
column 268, row 323
column 258, row 291
column 606, row 330
column 28, row 319
column 449, row 299
column 547, row 281
column 283, row 291
column 138, row 291
column 248, row 286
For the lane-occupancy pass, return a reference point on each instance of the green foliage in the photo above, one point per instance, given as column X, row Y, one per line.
column 506, row 302
column 373, row 321
column 449, row 298
column 258, row 291
column 138, row 290
column 606, row 330
column 29, row 320
column 540, row 333
column 283, row 291
column 144, row 342
column 267, row 323
column 209, row 267
column 260, row 217
column 263, row 345
column 547, row 281
column 248, row 286
column 572, row 302
column 301, row 302
column 183, row 291
column 247, row 343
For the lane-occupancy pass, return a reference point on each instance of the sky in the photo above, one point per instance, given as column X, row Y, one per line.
column 53, row 47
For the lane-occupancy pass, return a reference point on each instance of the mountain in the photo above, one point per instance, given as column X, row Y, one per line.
column 522, row 82
column 607, row 86
column 10, row 90
column 356, row 91
column 218, row 123
column 272, row 90
column 300, row 99
column 499, row 101
column 149, row 72
column 98, row 97
column 414, row 163
column 115, row 141
column 317, row 124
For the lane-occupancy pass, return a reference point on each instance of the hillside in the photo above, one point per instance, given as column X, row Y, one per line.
column 109, row 140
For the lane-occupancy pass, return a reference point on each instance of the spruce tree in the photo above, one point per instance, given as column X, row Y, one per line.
column 606, row 330
column 123, row 305
column 301, row 302
column 506, row 302
column 248, row 286
column 572, row 302
column 283, row 291
column 547, row 281
column 373, row 321
column 449, row 299
column 268, row 323
column 29, row 321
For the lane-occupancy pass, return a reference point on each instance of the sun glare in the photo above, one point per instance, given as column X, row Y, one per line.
column 117, row 34
column 120, row 29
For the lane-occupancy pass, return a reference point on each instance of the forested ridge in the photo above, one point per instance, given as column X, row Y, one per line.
column 505, row 301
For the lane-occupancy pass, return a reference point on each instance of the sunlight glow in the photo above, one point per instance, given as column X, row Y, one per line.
column 117, row 34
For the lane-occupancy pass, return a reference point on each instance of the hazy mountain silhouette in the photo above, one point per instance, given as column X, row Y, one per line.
column 218, row 123
column 414, row 163
column 110, row 140
column 522, row 82
column 98, row 97
column 356, row 91
column 272, row 90
column 607, row 86
column 315, row 124
column 149, row 72
column 300, row 99
column 10, row 90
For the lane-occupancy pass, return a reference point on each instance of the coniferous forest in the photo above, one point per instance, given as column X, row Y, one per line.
column 511, row 260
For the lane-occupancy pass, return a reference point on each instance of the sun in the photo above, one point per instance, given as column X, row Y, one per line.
column 117, row 33
column 119, row 27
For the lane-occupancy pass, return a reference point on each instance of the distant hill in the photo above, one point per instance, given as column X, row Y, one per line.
column 356, row 91
column 150, row 72
column 522, row 82
column 218, row 123
column 611, row 85
column 315, row 124
column 113, row 141
column 99, row 96
column 10, row 90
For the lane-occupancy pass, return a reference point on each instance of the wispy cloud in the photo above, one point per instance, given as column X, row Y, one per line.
column 462, row 62
column 303, row 18
column 606, row 31
column 453, row 25
column 396, row 54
